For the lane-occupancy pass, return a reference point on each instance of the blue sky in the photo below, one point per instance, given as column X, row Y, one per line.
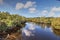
column 31, row 8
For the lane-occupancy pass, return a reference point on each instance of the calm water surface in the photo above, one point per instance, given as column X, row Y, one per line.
column 33, row 31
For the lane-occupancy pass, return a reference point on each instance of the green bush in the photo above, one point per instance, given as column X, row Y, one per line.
column 3, row 26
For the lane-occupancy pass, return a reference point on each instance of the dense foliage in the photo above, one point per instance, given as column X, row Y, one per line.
column 7, row 20
column 55, row 21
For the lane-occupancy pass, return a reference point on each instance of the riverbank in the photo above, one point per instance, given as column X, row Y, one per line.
column 13, row 36
column 53, row 21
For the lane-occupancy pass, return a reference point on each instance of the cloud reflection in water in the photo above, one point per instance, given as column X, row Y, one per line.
column 30, row 30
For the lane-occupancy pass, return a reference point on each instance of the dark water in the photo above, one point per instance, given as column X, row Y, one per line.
column 33, row 31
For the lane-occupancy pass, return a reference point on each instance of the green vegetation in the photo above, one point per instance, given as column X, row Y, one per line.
column 8, row 20
column 54, row 21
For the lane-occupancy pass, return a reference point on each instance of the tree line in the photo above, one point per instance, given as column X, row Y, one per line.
column 8, row 20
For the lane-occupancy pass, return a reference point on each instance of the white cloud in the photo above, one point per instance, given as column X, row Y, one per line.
column 32, row 27
column 51, row 13
column 30, row 30
column 54, row 10
column 32, row 10
column 19, row 6
column 27, row 32
column 28, row 4
column 44, row 12
column 1, row 1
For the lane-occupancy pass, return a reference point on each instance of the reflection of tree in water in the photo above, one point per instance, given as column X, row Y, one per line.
column 56, row 31
column 44, row 26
